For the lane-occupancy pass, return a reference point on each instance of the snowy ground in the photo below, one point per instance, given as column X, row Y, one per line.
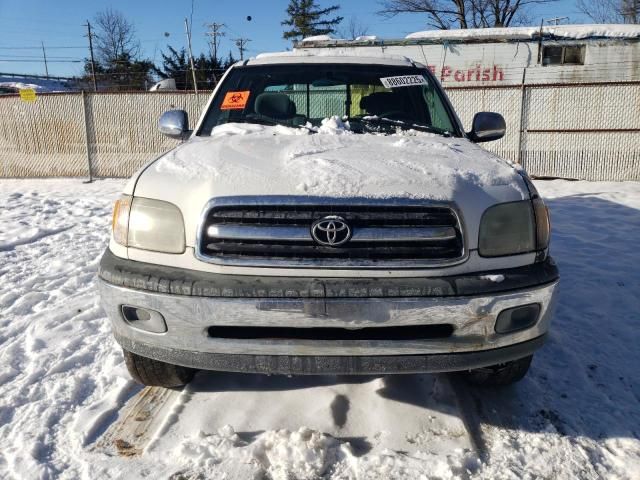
column 63, row 381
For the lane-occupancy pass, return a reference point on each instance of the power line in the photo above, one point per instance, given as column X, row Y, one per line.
column 14, row 60
column 57, row 57
column 38, row 48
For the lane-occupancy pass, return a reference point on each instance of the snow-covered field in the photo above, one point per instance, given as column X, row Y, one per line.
column 63, row 381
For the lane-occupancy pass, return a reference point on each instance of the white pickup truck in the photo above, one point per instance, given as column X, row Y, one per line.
column 329, row 215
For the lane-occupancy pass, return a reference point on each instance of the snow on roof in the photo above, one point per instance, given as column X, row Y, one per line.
column 527, row 33
column 327, row 56
column 366, row 38
column 318, row 38
column 39, row 85
column 330, row 39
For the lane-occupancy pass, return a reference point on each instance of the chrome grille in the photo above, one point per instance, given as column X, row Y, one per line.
column 276, row 231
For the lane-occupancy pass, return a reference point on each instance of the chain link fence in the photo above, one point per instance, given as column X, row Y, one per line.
column 583, row 131
column 74, row 135
column 587, row 131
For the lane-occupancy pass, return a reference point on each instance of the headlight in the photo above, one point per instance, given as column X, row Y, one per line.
column 148, row 224
column 543, row 223
column 507, row 229
column 120, row 221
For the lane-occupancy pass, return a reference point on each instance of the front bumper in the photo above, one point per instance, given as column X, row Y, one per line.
column 192, row 302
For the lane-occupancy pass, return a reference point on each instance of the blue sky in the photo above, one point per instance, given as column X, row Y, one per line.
column 59, row 23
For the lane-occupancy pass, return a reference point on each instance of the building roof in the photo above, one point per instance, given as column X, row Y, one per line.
column 529, row 33
column 484, row 35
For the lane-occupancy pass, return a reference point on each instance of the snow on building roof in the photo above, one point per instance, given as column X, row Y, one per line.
column 528, row 33
column 318, row 38
column 39, row 85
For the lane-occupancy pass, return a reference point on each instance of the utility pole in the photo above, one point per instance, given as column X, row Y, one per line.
column 215, row 31
column 193, row 70
column 240, row 43
column 93, row 63
column 44, row 54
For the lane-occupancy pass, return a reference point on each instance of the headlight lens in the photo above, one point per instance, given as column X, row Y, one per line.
column 507, row 229
column 149, row 225
column 543, row 223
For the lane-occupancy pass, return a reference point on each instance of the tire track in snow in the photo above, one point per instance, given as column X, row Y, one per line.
column 33, row 238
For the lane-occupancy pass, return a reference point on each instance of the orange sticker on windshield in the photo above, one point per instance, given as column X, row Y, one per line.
column 235, row 100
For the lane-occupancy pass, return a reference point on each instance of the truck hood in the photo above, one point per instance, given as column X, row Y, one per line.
column 247, row 159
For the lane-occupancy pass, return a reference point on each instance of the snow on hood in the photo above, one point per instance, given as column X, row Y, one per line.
column 257, row 160
column 265, row 160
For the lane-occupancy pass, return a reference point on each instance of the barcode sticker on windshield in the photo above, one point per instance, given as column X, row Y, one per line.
column 403, row 81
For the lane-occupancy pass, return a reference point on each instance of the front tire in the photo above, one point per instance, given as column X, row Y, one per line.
column 155, row 373
column 499, row 375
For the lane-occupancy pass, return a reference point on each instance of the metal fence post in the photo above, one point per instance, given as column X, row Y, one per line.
column 86, row 135
column 523, row 96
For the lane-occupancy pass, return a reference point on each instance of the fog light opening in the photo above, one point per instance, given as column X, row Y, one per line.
column 144, row 319
column 517, row 318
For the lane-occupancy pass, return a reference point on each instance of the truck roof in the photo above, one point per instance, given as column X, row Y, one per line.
column 333, row 56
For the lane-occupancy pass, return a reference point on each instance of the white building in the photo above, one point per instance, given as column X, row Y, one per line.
column 491, row 56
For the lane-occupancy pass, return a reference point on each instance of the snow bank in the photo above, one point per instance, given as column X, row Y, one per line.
column 528, row 33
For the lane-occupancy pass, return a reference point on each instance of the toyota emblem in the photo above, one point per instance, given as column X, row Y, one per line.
column 331, row 231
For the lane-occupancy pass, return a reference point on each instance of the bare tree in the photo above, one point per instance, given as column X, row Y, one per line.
column 611, row 11
column 115, row 37
column 446, row 14
column 354, row 29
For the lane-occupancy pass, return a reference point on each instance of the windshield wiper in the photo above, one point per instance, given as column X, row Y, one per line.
column 259, row 121
column 265, row 121
column 401, row 123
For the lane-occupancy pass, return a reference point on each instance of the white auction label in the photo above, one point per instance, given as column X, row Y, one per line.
column 403, row 81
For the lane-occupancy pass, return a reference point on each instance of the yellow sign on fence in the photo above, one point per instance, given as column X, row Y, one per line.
column 28, row 95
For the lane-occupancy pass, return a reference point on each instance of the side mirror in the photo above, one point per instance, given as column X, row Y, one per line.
column 487, row 127
column 174, row 124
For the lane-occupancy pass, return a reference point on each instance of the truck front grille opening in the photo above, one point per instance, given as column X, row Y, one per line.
column 382, row 235
column 409, row 332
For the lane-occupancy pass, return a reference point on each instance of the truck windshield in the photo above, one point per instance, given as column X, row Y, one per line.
column 379, row 98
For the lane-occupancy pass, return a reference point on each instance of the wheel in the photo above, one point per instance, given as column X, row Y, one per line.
column 501, row 374
column 155, row 373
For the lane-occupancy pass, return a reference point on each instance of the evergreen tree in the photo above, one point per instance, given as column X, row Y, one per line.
column 307, row 19
column 176, row 65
